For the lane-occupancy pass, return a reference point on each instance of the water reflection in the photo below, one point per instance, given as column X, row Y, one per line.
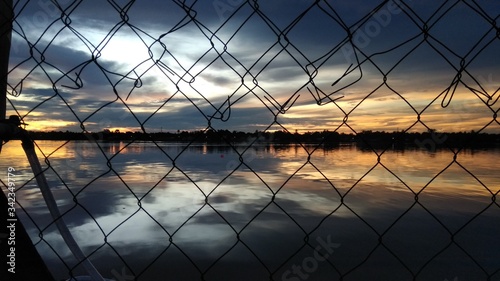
column 217, row 208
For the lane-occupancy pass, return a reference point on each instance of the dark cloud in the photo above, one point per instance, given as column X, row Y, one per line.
column 219, row 80
column 63, row 65
column 225, row 42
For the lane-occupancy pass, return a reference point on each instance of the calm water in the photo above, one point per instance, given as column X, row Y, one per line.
column 210, row 213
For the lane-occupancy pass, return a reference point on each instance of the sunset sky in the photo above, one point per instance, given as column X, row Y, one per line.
column 258, row 57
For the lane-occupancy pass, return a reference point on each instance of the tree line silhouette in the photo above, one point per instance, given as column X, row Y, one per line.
column 375, row 139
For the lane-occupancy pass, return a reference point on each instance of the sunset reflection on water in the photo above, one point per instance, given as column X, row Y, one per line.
column 139, row 197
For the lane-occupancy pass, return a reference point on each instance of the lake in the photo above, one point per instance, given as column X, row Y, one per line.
column 165, row 211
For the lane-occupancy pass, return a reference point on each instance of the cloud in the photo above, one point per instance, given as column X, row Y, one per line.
column 157, row 51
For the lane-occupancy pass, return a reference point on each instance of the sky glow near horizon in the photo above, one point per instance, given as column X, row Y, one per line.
column 203, row 63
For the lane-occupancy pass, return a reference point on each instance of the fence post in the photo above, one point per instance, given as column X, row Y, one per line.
column 6, row 19
column 27, row 253
column 6, row 16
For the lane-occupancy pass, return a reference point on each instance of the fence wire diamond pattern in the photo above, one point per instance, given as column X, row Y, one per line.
column 209, row 64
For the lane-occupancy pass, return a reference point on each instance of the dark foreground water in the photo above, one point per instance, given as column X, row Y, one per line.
column 275, row 213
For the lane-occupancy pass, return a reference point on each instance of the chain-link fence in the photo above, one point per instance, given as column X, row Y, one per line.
column 261, row 140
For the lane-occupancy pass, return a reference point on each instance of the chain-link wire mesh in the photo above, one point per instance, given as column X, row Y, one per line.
column 162, row 79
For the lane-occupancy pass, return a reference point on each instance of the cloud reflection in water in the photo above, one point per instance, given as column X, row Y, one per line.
column 174, row 223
